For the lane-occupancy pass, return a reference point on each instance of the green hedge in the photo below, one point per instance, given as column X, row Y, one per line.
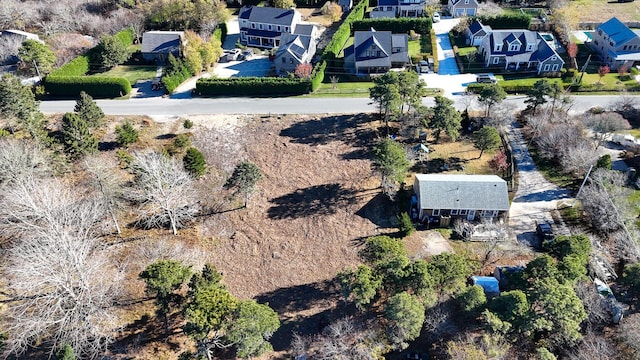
column 76, row 67
column 175, row 73
column 126, row 36
column 221, row 32
column 317, row 76
column 506, row 21
column 434, row 51
column 343, row 33
column 97, row 87
column 250, row 86
column 395, row 25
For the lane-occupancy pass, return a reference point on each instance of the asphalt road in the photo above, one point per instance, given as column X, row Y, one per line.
column 282, row 105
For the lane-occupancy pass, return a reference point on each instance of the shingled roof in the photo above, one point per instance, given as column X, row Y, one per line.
column 473, row 192
column 161, row 42
column 267, row 15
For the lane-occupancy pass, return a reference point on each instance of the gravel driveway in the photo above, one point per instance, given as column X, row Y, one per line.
column 535, row 196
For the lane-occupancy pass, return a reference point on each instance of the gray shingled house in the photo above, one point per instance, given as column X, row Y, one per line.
column 263, row 26
column 157, row 45
column 519, row 50
column 476, row 32
column 296, row 49
column 375, row 52
column 470, row 197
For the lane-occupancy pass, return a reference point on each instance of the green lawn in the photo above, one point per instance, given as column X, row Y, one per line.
column 353, row 89
column 464, row 51
column 133, row 73
column 414, row 47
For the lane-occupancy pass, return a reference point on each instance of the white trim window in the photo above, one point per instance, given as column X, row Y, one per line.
column 454, row 212
column 463, row 211
column 514, row 47
column 546, row 67
column 435, row 212
column 555, row 67
column 496, row 60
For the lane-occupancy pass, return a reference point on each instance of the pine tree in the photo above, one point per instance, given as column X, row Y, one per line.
column 126, row 134
column 66, row 353
column 194, row 162
column 88, row 110
column 78, row 140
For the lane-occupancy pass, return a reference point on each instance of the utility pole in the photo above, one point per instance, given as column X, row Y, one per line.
column 581, row 186
column 584, row 68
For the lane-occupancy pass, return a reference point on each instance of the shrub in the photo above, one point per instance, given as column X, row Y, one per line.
column 634, row 71
column 187, row 124
column 248, row 86
column 182, row 141
column 395, row 25
column 434, row 50
column 126, row 36
column 506, row 21
column 194, row 162
column 76, row 67
column 317, row 76
column 127, row 135
column 97, row 87
column 405, row 225
column 604, row 162
column 124, row 159
column 175, row 73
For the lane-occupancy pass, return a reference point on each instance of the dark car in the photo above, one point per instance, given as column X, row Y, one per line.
column 543, row 229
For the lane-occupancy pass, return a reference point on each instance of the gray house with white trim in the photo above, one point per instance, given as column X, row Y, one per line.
column 519, row 50
column 296, row 49
column 375, row 52
column 470, row 197
column 157, row 45
column 263, row 26
column 458, row 8
column 476, row 32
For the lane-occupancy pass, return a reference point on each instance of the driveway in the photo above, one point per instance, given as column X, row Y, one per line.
column 535, row 196
column 448, row 77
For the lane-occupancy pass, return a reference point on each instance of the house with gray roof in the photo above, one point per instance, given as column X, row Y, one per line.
column 398, row 8
column 296, row 49
column 519, row 50
column 616, row 44
column 476, row 32
column 458, row 8
column 375, row 52
column 470, row 197
column 263, row 26
column 157, row 45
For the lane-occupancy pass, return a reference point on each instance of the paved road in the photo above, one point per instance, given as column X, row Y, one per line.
column 283, row 105
column 535, row 196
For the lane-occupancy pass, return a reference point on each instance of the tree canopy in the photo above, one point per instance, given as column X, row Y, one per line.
column 486, row 138
column 78, row 139
column 405, row 314
column 251, row 327
column 244, row 179
column 110, row 52
column 36, row 58
column 391, row 161
column 445, row 118
column 88, row 110
column 490, row 95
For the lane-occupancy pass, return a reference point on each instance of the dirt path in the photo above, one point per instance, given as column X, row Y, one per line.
column 535, row 196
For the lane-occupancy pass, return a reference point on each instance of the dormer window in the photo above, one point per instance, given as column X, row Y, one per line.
column 260, row 26
column 530, row 47
column 466, row 2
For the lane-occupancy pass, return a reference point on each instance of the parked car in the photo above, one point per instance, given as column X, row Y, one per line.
column 246, row 55
column 423, row 67
column 436, row 17
column 230, row 55
column 486, row 78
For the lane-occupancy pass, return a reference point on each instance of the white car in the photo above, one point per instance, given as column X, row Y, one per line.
column 436, row 17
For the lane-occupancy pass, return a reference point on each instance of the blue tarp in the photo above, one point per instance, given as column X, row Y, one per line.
column 488, row 283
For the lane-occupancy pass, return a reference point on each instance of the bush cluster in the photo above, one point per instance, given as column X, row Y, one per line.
column 76, row 67
column 248, row 86
column 343, row 33
column 221, row 32
column 175, row 73
column 126, row 36
column 506, row 21
column 96, row 86
column 434, row 51
column 317, row 76
column 395, row 25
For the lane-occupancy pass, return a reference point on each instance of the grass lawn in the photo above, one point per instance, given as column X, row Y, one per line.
column 353, row 89
column 460, row 156
column 414, row 47
column 633, row 132
column 133, row 73
column 464, row 51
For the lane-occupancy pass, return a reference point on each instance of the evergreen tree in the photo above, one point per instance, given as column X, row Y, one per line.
column 88, row 110
column 163, row 278
column 244, row 179
column 18, row 105
column 66, row 353
column 405, row 314
column 110, row 52
column 250, row 328
column 445, row 118
column 194, row 162
column 127, row 135
column 36, row 58
column 77, row 138
column 486, row 138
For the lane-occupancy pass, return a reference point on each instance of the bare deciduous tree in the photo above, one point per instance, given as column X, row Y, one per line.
column 62, row 283
column 106, row 184
column 603, row 125
column 593, row 347
column 164, row 192
column 578, row 158
column 21, row 160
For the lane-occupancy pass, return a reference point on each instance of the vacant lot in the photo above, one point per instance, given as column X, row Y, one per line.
column 603, row 10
